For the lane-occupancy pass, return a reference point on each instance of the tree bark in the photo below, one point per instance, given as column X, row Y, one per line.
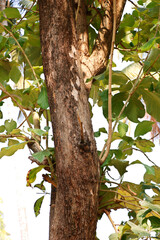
column 2, row 5
column 77, row 165
column 67, row 65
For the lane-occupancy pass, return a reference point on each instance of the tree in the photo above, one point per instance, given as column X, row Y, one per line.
column 77, row 38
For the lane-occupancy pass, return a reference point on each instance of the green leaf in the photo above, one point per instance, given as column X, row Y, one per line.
column 148, row 45
column 33, row 174
column 103, row 130
column 118, row 77
column 136, row 162
column 154, row 207
column 98, row 133
column 149, row 170
column 10, row 125
column 155, row 221
column 92, row 36
column 135, row 109
column 120, row 165
column 154, row 55
column 143, row 127
column 122, row 129
column 15, row 74
column 1, row 114
column 37, row 206
column 37, row 131
column 12, row 13
column 94, row 93
column 41, row 155
column 125, row 148
column 9, row 151
column 117, row 103
column 4, row 75
column 128, row 20
column 152, row 101
column 43, row 98
column 40, row 186
column 138, row 230
column 108, row 159
column 153, row 178
column 114, row 236
column 2, row 128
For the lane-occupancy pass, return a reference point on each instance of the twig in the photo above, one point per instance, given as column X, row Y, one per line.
column 8, row 3
column 11, row 34
column 155, row 136
column 21, row 108
column 44, row 162
column 14, row 135
column 51, row 166
column 24, row 120
column 47, row 124
column 49, row 179
column 136, row 149
column 79, row 1
column 103, row 158
column 133, row 3
column 111, row 220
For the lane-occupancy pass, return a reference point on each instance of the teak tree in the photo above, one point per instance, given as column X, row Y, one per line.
column 76, row 39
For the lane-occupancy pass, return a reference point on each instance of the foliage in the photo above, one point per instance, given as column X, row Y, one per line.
column 135, row 92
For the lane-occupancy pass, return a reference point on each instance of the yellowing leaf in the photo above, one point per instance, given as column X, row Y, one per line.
column 144, row 145
column 31, row 177
column 9, row 151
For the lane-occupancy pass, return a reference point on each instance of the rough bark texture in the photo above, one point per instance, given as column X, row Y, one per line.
column 75, row 212
column 67, row 64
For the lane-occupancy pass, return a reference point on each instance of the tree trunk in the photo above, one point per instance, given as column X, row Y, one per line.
column 2, row 5
column 77, row 165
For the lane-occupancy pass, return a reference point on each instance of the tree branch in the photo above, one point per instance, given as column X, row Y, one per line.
column 111, row 220
column 110, row 87
column 97, row 61
column 136, row 149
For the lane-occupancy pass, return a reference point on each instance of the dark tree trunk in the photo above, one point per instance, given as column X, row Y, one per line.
column 77, row 165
